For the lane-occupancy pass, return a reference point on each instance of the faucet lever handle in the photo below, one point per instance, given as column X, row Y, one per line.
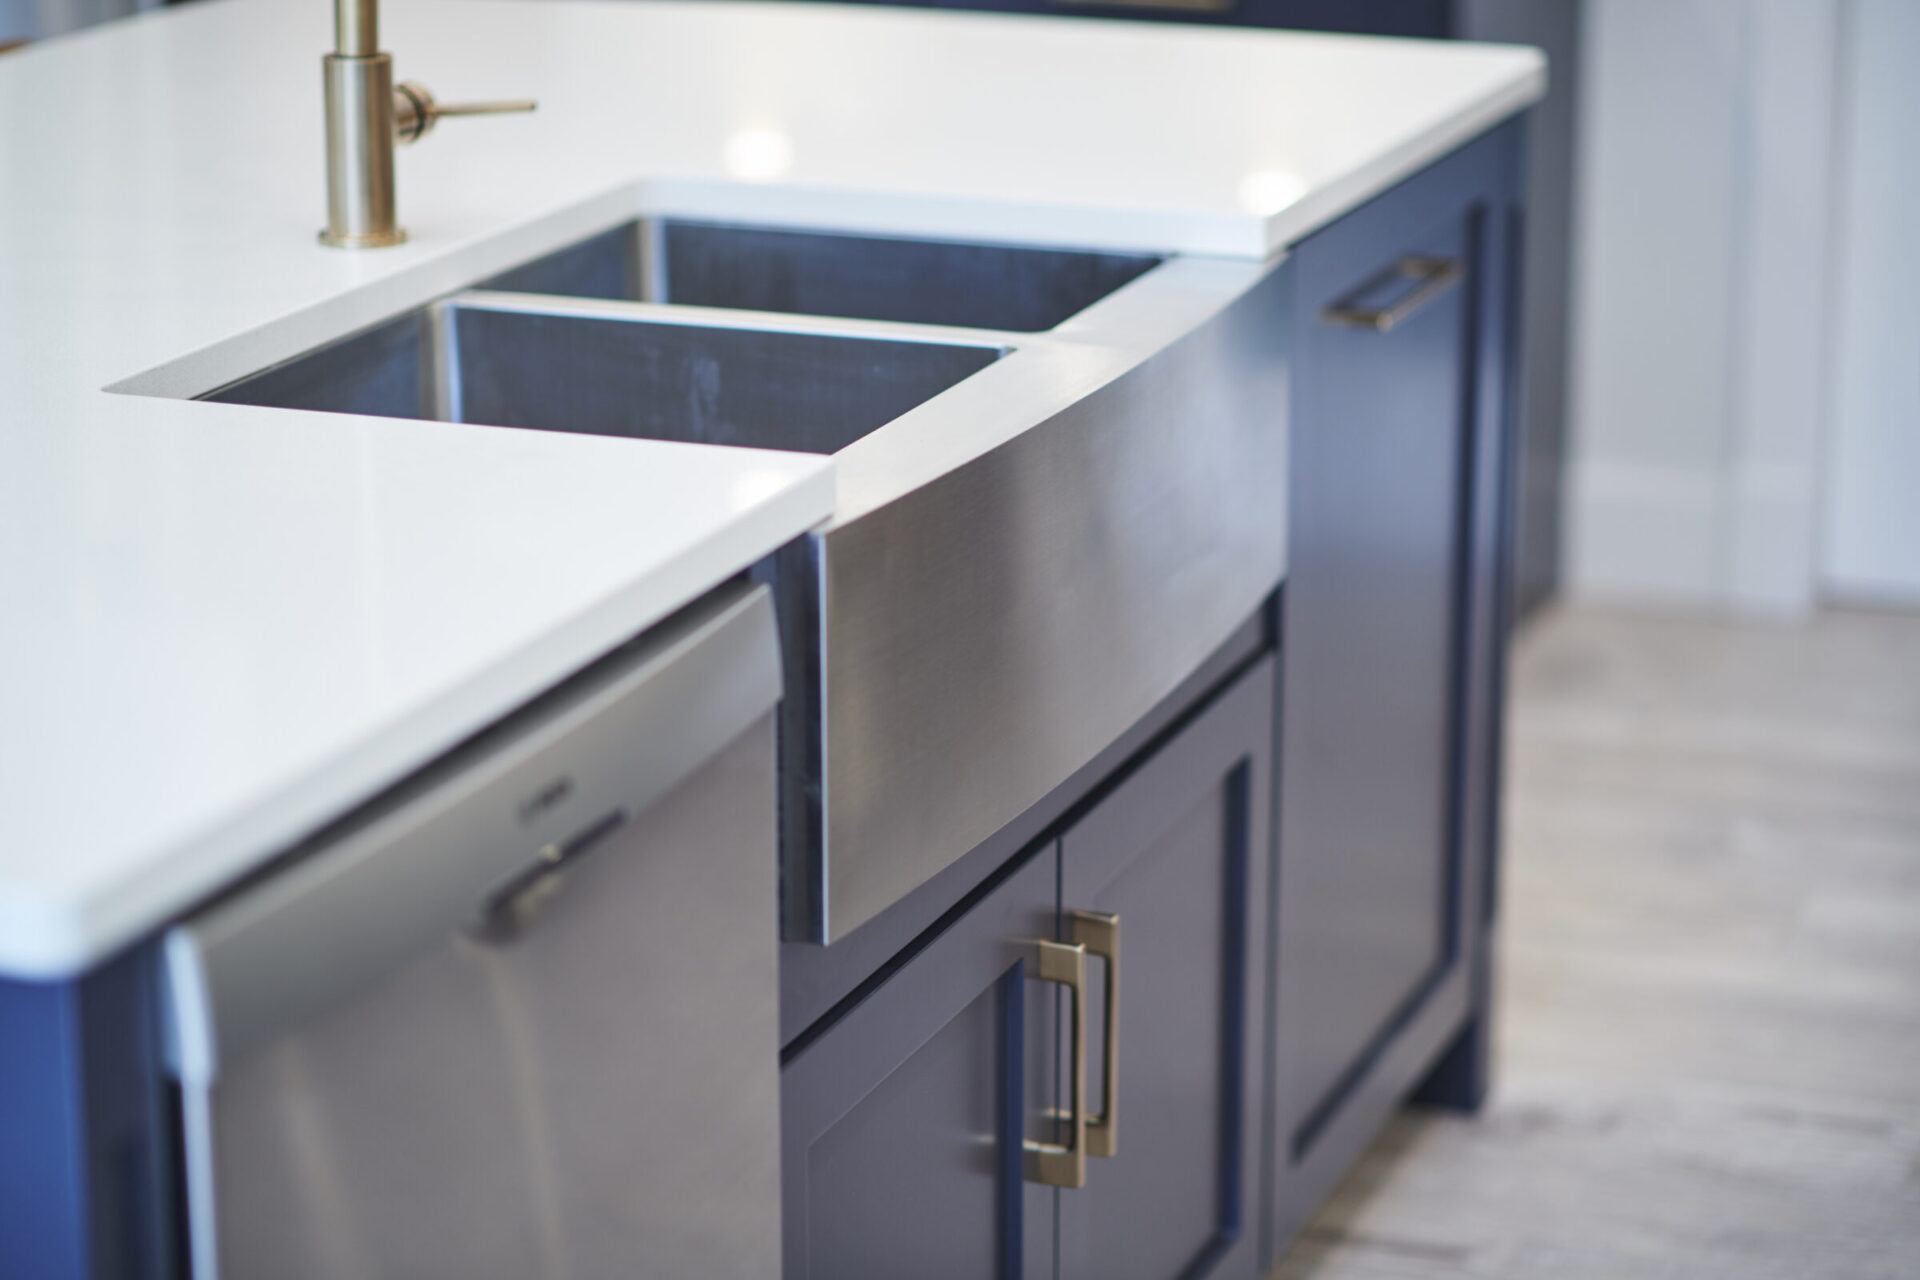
column 415, row 110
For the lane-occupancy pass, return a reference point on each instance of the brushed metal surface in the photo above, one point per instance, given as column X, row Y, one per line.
column 356, row 28
column 362, row 1099
column 1099, row 933
column 983, row 635
column 277, row 954
column 357, row 101
column 1064, row 1164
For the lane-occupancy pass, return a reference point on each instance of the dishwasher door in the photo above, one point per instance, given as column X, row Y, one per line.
column 520, row 1020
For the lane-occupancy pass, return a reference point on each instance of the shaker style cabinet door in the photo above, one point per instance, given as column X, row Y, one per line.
column 1367, row 710
column 1389, row 653
column 1165, row 881
column 903, row 1123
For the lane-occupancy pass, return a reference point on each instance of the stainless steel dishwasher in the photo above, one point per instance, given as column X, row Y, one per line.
column 518, row 1019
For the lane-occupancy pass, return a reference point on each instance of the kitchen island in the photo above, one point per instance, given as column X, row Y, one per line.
column 233, row 624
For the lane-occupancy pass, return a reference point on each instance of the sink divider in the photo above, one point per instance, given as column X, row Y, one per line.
column 679, row 313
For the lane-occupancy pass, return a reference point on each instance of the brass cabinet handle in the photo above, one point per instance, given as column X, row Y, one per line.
column 1065, row 1164
column 1099, row 933
column 1431, row 276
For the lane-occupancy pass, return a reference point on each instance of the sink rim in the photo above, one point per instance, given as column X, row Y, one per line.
column 732, row 318
column 1041, row 374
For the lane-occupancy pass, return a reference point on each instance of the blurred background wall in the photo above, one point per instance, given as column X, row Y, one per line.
column 1745, row 404
column 38, row 19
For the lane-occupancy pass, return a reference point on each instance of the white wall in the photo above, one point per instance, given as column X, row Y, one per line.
column 1871, row 547
column 1700, row 374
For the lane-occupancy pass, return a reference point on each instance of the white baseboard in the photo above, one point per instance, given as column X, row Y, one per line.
column 1668, row 537
column 1642, row 535
column 1771, row 541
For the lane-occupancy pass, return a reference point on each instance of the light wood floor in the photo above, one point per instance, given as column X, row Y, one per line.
column 1710, row 1037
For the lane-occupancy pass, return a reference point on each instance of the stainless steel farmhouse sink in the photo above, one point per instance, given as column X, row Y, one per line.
column 1060, row 484
column 618, row 371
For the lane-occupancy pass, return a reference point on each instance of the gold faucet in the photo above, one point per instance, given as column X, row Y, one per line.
column 367, row 116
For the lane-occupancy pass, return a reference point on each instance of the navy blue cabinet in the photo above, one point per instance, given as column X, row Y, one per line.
column 1293, row 874
column 905, row 1121
column 1394, row 601
column 903, row 1125
column 1375, row 529
column 87, row 1140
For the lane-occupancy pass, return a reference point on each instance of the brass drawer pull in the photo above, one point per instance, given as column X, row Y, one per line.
column 1099, row 933
column 1065, row 1164
column 1431, row 276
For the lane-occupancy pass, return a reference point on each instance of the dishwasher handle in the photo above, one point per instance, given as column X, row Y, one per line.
column 425, row 863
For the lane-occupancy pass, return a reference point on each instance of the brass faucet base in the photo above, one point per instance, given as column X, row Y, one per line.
column 360, row 142
column 366, row 240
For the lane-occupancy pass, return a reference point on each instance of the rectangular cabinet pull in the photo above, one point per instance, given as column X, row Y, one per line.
column 1099, row 933
column 1431, row 277
column 1065, row 1164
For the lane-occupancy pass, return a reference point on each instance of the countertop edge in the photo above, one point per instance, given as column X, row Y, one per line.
column 1396, row 164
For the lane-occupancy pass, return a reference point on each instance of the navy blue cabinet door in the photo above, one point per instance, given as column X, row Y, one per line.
column 902, row 1122
column 1367, row 715
column 1397, row 488
column 1179, row 852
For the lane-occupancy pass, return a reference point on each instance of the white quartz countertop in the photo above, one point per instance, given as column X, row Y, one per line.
column 223, row 626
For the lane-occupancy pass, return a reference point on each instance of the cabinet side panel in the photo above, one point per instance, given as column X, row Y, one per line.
column 86, row 1143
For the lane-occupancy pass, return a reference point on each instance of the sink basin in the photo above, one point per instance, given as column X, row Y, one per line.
column 618, row 370
column 979, row 286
